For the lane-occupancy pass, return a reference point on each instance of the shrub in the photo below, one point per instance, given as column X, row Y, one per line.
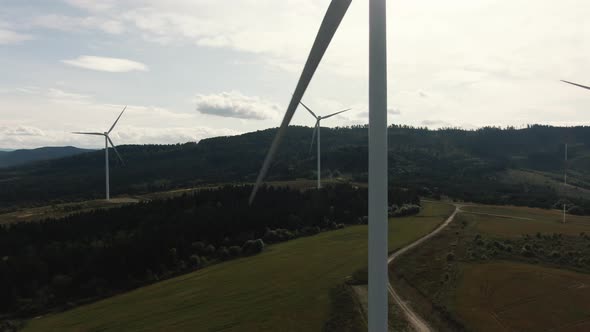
column 209, row 250
column 252, row 247
column 222, row 253
column 195, row 261
column 235, row 251
column 198, row 247
column 450, row 257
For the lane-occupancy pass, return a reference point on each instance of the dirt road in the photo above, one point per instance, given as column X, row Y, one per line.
column 414, row 319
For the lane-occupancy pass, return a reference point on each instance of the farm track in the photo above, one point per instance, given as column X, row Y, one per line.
column 417, row 322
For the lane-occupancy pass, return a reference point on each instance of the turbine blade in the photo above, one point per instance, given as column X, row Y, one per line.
column 576, row 84
column 84, row 133
column 114, row 148
column 315, row 129
column 327, row 116
column 114, row 124
column 310, row 111
column 332, row 19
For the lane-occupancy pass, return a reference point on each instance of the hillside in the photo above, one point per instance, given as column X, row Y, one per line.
column 254, row 293
column 474, row 165
column 19, row 157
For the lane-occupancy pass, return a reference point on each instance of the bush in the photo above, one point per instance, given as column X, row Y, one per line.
column 360, row 276
column 310, row 230
column 404, row 210
column 209, row 250
column 198, row 247
column 195, row 261
column 450, row 257
column 252, row 247
column 235, row 251
column 576, row 210
column 222, row 253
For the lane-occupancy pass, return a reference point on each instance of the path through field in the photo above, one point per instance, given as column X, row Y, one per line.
column 414, row 319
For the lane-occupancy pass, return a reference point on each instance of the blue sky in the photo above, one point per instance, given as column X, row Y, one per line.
column 190, row 69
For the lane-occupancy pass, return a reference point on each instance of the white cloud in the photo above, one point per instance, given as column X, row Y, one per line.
column 436, row 124
column 11, row 37
column 74, row 24
column 20, row 131
column 91, row 5
column 113, row 65
column 67, row 111
column 169, row 135
column 57, row 95
column 234, row 104
column 24, row 137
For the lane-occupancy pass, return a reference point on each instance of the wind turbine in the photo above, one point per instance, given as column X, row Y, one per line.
column 317, row 129
column 565, row 180
column 378, row 279
column 107, row 140
column 576, row 84
column 565, row 167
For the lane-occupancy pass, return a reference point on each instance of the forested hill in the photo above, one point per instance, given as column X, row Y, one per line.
column 18, row 157
column 476, row 165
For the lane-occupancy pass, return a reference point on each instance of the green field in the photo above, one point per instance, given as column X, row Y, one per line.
column 505, row 296
column 509, row 221
column 62, row 210
column 286, row 288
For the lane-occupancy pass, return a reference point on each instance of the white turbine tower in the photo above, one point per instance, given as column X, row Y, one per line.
column 107, row 140
column 565, row 167
column 378, row 280
column 317, row 129
column 565, row 180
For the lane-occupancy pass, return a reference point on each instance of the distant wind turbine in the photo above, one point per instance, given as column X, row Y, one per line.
column 576, row 84
column 565, row 167
column 107, row 140
column 317, row 129
column 378, row 280
column 565, row 179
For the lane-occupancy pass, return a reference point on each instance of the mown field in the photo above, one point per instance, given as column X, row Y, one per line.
column 286, row 288
column 508, row 221
column 462, row 283
column 507, row 296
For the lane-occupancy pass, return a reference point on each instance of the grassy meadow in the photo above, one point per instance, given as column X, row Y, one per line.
column 285, row 288
column 509, row 221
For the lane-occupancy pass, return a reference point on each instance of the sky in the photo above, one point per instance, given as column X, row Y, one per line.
column 192, row 69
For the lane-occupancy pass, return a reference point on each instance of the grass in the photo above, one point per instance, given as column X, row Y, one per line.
column 496, row 295
column 509, row 221
column 286, row 288
column 505, row 296
column 62, row 210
